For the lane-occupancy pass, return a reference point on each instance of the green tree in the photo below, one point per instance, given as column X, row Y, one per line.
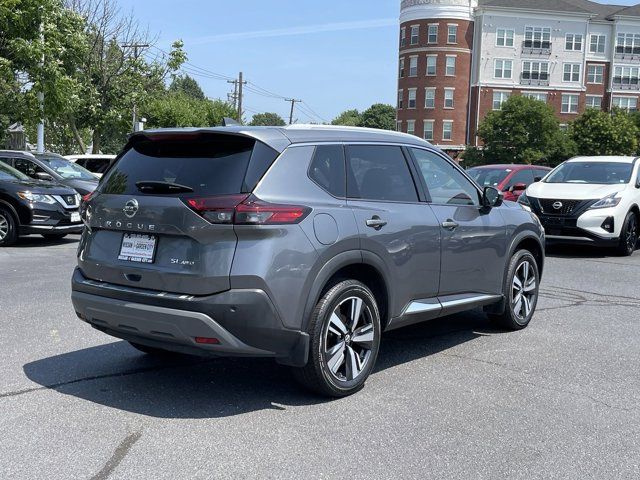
column 267, row 119
column 180, row 110
column 523, row 131
column 600, row 133
column 348, row 118
column 188, row 86
column 379, row 116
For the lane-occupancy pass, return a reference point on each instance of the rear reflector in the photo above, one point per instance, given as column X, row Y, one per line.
column 246, row 210
column 207, row 340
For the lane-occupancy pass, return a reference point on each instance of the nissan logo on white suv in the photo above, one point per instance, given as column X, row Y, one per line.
column 131, row 208
column 557, row 205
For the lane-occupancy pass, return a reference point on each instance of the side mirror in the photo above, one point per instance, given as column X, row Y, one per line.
column 491, row 197
column 518, row 187
column 44, row 176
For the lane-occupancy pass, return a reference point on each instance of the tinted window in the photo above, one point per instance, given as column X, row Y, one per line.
column 521, row 176
column 261, row 159
column 209, row 164
column 9, row 173
column 606, row 173
column 27, row 167
column 446, row 184
column 377, row 172
column 327, row 169
column 488, row 177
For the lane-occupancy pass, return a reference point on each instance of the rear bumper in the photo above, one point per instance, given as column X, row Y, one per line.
column 244, row 322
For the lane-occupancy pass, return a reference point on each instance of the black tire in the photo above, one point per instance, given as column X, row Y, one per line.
column 8, row 227
column 326, row 373
column 628, row 235
column 157, row 352
column 54, row 236
column 516, row 315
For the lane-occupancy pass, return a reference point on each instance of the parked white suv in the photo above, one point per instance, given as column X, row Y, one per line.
column 590, row 200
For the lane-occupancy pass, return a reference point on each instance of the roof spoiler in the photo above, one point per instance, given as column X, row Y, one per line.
column 228, row 122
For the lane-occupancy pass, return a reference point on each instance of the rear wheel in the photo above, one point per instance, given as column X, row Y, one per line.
column 520, row 291
column 54, row 236
column 628, row 235
column 345, row 338
column 8, row 228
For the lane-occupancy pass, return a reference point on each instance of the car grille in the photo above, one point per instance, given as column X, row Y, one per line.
column 558, row 207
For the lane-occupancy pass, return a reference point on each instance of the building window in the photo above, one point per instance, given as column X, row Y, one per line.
column 413, row 66
column 399, row 126
column 447, row 130
column 403, row 36
column 597, row 43
column 452, row 33
column 594, row 101
column 411, row 102
column 535, row 70
column 499, row 98
column 430, row 97
column 411, row 127
column 428, row 130
column 537, row 37
column 415, row 34
column 630, row 104
column 628, row 43
column 571, row 72
column 540, row 96
column 431, row 65
column 448, row 97
column 402, row 67
column 573, row 42
column 504, row 37
column 433, row 33
column 626, row 75
column 564, row 128
column 569, row 103
column 400, row 100
column 502, row 68
column 595, row 74
column 450, row 71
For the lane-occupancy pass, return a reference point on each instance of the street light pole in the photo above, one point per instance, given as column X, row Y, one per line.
column 40, row 146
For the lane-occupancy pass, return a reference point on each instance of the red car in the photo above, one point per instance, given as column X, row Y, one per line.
column 511, row 180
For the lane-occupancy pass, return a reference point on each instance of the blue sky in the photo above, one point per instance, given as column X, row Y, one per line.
column 333, row 54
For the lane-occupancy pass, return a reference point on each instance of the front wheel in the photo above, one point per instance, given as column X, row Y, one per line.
column 345, row 338
column 628, row 235
column 521, row 288
column 8, row 228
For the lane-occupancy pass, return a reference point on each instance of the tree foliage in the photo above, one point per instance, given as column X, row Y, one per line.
column 348, row 118
column 180, row 110
column 267, row 119
column 600, row 133
column 380, row 116
column 187, row 85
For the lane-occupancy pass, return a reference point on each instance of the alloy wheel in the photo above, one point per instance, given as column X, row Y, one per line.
column 523, row 290
column 4, row 227
column 348, row 339
column 631, row 239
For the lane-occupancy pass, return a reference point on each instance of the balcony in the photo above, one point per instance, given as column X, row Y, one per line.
column 620, row 83
column 629, row 54
column 535, row 79
column 536, row 47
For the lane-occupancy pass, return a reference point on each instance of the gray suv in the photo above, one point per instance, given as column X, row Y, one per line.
column 298, row 243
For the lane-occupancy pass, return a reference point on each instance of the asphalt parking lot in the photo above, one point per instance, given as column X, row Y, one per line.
column 454, row 398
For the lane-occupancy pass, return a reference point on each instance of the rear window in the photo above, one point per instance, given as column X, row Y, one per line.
column 208, row 164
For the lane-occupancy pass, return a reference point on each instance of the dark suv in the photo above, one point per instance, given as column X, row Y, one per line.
column 34, row 206
column 299, row 243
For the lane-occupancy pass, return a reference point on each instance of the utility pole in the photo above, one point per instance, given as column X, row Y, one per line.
column 135, row 47
column 234, row 96
column 237, row 94
column 293, row 103
column 40, row 147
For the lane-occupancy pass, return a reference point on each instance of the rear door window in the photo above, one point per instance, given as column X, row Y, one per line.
column 379, row 172
column 327, row 169
column 521, row 176
column 209, row 164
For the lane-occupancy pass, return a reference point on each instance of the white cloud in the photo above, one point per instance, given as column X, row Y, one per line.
column 293, row 31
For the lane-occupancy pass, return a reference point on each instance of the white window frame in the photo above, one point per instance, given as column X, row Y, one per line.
column 435, row 65
column 427, row 91
column 503, row 62
column 401, row 71
column 450, row 130
column 416, row 35
column 455, row 33
column 412, row 124
column 628, row 75
column 400, row 99
column 631, row 103
column 597, row 74
column 413, row 58
column 537, row 72
column 576, row 39
column 507, row 35
column 504, row 96
column 403, row 37
column 430, row 27
column 575, row 68
column 540, row 96
column 600, row 43
column 538, row 35
column 571, row 106
column 591, row 97
column 398, row 125
column 451, row 92
column 412, row 92
column 424, row 130
column 630, row 44
column 446, row 65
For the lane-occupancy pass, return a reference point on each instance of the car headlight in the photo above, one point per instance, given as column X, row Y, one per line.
column 607, row 202
column 37, row 197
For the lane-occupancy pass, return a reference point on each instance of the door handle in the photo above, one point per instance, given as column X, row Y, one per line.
column 376, row 222
column 450, row 225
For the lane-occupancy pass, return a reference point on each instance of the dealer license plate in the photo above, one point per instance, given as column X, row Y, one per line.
column 138, row 248
column 75, row 217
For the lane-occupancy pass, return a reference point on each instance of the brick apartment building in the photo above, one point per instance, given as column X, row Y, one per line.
column 460, row 59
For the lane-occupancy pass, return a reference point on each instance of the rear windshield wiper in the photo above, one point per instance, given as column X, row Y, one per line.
column 162, row 187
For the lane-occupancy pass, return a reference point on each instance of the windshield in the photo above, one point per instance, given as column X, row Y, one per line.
column 10, row 173
column 601, row 173
column 489, row 177
column 67, row 169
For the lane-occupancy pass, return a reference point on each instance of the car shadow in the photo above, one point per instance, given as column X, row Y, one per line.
column 35, row 241
column 118, row 376
column 579, row 251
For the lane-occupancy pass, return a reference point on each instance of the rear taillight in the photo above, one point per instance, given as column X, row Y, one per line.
column 88, row 196
column 246, row 210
